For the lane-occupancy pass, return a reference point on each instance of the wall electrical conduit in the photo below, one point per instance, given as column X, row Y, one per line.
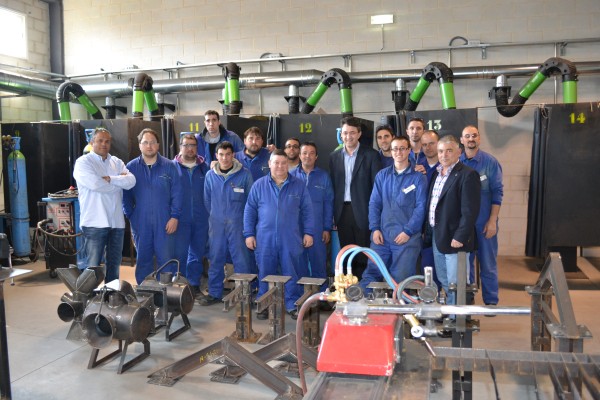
column 63, row 97
column 552, row 66
column 434, row 71
column 143, row 90
column 330, row 77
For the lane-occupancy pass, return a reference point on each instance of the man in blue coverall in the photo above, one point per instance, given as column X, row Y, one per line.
column 254, row 156
column 153, row 206
column 319, row 187
column 396, row 215
column 192, row 231
column 226, row 190
column 414, row 130
column 278, row 225
column 384, row 135
column 213, row 134
column 492, row 190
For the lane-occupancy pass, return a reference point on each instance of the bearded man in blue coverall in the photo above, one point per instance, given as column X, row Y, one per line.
column 226, row 190
column 278, row 225
column 192, row 231
column 319, row 187
column 213, row 134
column 384, row 135
column 153, row 206
column 492, row 190
column 396, row 215
column 254, row 156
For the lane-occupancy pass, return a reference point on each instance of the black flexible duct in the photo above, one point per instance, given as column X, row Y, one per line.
column 232, row 71
column 433, row 71
column 67, row 88
column 552, row 66
column 334, row 75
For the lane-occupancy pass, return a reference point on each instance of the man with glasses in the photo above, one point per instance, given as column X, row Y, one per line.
column 101, row 179
column 213, row 134
column 492, row 190
column 153, row 206
column 192, row 230
column 292, row 151
column 396, row 215
column 414, row 130
column 353, row 169
column 254, row 156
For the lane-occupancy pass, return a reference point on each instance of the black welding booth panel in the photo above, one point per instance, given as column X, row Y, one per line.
column 321, row 129
column 239, row 125
column 446, row 122
column 564, row 193
column 46, row 150
column 124, row 132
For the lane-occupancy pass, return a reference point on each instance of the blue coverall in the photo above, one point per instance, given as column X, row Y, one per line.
column 192, row 231
column 204, row 146
column 258, row 166
column 492, row 190
column 397, row 205
column 155, row 198
column 320, row 190
column 225, row 196
column 279, row 218
column 385, row 160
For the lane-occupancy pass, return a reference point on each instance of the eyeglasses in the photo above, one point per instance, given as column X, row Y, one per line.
column 189, row 145
column 472, row 135
column 146, row 143
column 402, row 149
column 292, row 146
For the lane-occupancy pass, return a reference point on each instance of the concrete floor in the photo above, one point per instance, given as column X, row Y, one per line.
column 44, row 365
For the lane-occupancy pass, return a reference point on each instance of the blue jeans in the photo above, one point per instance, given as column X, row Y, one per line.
column 446, row 266
column 97, row 240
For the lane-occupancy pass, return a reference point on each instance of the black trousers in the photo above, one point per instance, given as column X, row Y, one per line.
column 350, row 233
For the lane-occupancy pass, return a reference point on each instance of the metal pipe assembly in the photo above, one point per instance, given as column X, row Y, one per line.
column 143, row 90
column 63, row 97
column 550, row 67
column 330, row 77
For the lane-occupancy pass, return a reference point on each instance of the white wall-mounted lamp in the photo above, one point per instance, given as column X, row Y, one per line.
column 382, row 19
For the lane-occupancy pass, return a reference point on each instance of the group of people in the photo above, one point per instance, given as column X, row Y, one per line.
column 271, row 212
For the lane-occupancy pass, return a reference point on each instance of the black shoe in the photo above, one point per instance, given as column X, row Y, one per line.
column 209, row 300
column 264, row 314
column 196, row 291
column 293, row 314
column 490, row 315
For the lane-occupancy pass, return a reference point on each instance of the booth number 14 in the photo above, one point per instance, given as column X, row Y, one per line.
column 577, row 118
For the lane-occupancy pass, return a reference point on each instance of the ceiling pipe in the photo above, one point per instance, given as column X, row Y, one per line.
column 123, row 88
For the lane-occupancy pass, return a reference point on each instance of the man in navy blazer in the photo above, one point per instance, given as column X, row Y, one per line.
column 353, row 169
column 453, row 206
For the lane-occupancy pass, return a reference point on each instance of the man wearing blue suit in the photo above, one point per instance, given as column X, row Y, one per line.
column 353, row 169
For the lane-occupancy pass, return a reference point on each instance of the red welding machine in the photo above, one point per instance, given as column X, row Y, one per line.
column 366, row 348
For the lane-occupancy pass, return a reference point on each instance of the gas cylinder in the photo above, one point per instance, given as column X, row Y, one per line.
column 17, row 181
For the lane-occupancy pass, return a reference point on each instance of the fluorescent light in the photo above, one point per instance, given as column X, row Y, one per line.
column 382, row 19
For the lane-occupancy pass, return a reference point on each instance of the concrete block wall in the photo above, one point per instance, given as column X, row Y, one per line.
column 113, row 35
column 25, row 109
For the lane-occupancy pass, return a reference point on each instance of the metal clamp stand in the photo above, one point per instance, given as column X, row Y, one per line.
column 241, row 298
column 274, row 299
column 122, row 350
column 254, row 363
column 311, row 324
column 462, row 332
